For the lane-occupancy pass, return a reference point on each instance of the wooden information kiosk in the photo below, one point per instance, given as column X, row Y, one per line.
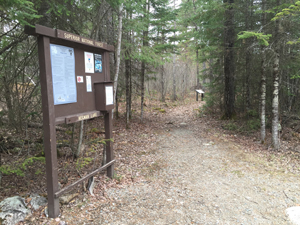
column 75, row 86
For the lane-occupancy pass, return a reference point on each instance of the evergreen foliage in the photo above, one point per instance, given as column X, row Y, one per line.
column 18, row 11
column 262, row 38
column 20, row 168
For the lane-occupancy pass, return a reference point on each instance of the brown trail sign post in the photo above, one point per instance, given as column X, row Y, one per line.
column 75, row 86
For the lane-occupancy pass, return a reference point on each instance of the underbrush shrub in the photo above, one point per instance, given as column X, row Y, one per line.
column 243, row 126
column 20, row 168
column 230, row 126
column 253, row 124
column 213, row 103
column 252, row 113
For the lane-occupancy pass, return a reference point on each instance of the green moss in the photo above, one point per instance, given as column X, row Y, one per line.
column 160, row 109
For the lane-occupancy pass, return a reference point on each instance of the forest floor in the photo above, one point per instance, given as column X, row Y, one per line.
column 181, row 168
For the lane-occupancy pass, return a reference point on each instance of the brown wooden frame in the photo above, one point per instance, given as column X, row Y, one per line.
column 73, row 112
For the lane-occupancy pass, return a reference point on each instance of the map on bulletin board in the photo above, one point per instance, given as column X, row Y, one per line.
column 63, row 74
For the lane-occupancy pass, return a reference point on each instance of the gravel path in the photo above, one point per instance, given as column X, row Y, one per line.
column 198, row 176
column 202, row 180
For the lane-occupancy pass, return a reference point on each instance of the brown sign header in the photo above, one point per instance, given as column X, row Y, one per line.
column 60, row 34
column 77, row 38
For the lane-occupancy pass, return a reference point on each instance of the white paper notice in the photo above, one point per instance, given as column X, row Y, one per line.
column 89, row 62
column 109, row 95
column 88, row 84
column 63, row 74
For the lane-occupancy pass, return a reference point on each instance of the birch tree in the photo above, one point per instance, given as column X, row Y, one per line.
column 275, row 100
column 263, row 84
column 118, row 51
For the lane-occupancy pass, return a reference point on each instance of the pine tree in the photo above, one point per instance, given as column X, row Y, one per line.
column 229, row 63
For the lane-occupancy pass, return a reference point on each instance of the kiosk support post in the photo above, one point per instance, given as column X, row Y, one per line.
column 109, row 147
column 48, row 125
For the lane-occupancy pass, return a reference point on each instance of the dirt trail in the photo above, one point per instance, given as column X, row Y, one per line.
column 202, row 179
column 206, row 180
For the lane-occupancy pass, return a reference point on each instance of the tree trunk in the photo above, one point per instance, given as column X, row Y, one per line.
column 118, row 51
column 8, row 101
column 247, row 61
column 174, row 97
column 79, row 147
column 249, row 8
column 143, row 67
column 174, row 59
column 72, row 144
column 130, row 75
column 128, row 78
column 127, row 74
column 162, row 84
column 130, row 91
column 248, row 71
column 0, row 166
column 275, row 101
column 45, row 20
column 104, row 155
column 142, row 89
column 211, row 72
column 197, row 69
column 263, row 86
column 117, row 105
column 204, row 74
column 263, row 99
column 229, row 37
column 184, row 80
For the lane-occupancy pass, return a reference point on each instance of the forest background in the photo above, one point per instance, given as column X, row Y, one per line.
column 243, row 53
